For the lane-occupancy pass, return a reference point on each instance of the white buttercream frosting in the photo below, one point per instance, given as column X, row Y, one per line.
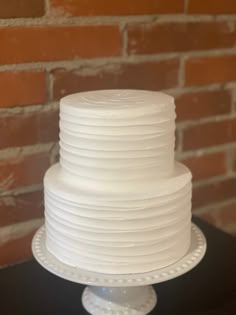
column 117, row 202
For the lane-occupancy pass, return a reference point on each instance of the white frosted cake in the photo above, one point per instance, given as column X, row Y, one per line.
column 117, row 202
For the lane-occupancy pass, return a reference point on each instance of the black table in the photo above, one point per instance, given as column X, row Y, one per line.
column 210, row 288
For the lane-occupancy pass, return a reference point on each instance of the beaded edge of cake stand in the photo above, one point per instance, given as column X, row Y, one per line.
column 51, row 263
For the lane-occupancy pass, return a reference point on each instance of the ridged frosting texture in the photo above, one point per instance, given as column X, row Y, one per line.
column 117, row 202
column 117, row 135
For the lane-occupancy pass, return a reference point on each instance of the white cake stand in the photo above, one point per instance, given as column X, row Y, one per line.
column 130, row 294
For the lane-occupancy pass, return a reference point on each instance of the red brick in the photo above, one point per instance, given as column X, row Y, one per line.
column 20, row 208
column 177, row 139
column 209, row 217
column 16, row 250
column 145, row 75
column 227, row 214
column 22, row 88
column 51, row 43
column 209, row 134
column 28, row 129
column 207, row 7
column 23, row 171
column 167, row 37
column 107, row 7
column 208, row 70
column 234, row 160
column 206, row 166
column 223, row 216
column 22, row 8
column 214, row 192
column 48, row 123
column 196, row 105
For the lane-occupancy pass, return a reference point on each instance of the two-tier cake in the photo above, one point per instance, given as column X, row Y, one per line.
column 117, row 202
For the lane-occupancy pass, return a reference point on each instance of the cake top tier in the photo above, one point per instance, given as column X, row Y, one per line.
column 110, row 139
column 117, row 103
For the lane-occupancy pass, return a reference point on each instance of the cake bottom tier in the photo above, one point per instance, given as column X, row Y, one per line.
column 122, row 233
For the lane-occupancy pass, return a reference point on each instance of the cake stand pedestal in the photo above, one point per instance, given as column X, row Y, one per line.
column 130, row 294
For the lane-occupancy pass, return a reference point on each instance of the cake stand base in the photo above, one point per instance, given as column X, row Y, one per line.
column 123, row 301
column 119, row 294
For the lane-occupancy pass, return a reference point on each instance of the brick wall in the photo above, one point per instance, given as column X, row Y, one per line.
column 55, row 47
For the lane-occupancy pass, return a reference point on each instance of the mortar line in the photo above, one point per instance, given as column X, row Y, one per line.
column 212, row 180
column 186, row 3
column 22, row 190
column 181, row 78
column 48, row 20
column 211, row 119
column 26, row 150
column 229, row 159
column 28, row 109
column 233, row 99
column 214, row 206
column 106, row 20
column 124, row 36
column 47, row 8
column 205, row 151
column 180, row 142
column 100, row 61
column 19, row 229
